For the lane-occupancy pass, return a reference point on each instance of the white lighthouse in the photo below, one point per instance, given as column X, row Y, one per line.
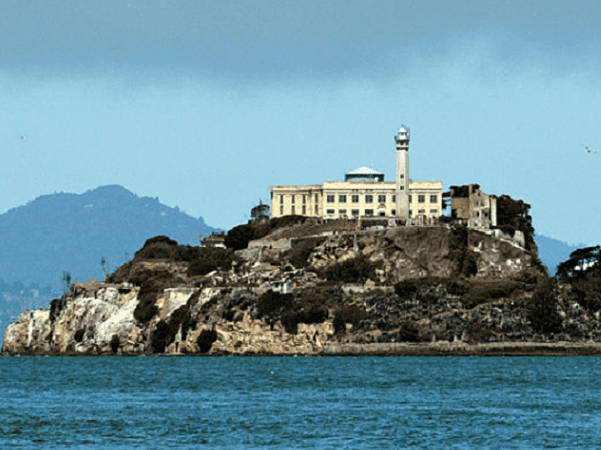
column 402, row 173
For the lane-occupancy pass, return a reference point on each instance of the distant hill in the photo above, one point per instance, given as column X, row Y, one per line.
column 552, row 251
column 71, row 232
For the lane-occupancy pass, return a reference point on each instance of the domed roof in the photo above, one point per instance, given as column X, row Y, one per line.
column 364, row 171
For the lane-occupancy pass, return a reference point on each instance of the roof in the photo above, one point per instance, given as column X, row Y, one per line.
column 364, row 171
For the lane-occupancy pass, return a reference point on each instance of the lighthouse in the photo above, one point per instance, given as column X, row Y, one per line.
column 402, row 173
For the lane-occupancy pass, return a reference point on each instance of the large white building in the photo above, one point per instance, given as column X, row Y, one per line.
column 364, row 193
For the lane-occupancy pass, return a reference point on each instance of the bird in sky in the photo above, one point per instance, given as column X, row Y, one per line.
column 591, row 151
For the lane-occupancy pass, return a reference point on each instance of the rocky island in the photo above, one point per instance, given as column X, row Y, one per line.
column 296, row 286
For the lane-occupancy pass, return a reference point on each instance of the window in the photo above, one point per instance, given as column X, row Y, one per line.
column 402, row 188
column 394, row 198
column 331, row 198
column 316, row 210
column 381, row 199
column 433, row 211
column 292, row 209
column 433, row 198
column 293, row 198
column 402, row 176
column 342, row 213
column 304, row 199
column 393, row 212
column 304, row 210
column 355, row 199
column 422, row 211
column 316, row 198
column 342, row 199
column 421, row 198
column 410, row 199
column 369, row 212
column 330, row 212
column 355, row 212
column 281, row 210
column 281, row 199
column 382, row 213
column 369, row 199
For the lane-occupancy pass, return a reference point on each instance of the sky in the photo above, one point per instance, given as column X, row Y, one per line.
column 207, row 104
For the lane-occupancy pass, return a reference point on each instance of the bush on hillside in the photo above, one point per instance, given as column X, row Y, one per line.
column 209, row 259
column 543, row 308
column 354, row 270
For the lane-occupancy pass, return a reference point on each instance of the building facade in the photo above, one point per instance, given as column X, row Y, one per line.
column 473, row 207
column 364, row 194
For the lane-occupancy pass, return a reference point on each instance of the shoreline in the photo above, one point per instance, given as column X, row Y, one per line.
column 564, row 348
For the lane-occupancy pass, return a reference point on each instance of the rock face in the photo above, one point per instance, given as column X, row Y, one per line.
column 418, row 285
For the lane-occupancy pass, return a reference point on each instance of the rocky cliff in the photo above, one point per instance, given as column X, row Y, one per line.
column 306, row 289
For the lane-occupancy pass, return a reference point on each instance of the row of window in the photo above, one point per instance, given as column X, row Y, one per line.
column 293, row 199
column 303, row 210
column 370, row 212
column 421, row 198
column 355, row 198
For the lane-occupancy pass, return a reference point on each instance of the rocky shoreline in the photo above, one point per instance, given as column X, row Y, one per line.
column 429, row 291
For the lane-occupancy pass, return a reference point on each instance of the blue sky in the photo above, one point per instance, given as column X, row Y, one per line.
column 207, row 104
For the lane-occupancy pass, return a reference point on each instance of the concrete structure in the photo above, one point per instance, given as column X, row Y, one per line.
column 364, row 194
column 214, row 240
column 473, row 207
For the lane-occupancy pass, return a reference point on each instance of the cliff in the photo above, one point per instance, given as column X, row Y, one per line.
column 314, row 289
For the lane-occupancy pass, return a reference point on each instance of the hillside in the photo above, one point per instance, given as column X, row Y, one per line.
column 73, row 232
column 302, row 289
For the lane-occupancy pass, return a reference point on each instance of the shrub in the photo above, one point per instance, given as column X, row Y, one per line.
column 406, row 289
column 484, row 291
column 300, row 251
column 355, row 270
column 271, row 302
column 352, row 314
column 158, row 247
column 209, row 259
column 543, row 308
column 478, row 332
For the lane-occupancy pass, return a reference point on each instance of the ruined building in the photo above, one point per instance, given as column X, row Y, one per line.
column 472, row 207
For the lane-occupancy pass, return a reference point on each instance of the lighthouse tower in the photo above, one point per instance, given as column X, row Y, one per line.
column 402, row 173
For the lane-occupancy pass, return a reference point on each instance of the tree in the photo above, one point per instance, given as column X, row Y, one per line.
column 583, row 263
column 104, row 266
column 66, row 282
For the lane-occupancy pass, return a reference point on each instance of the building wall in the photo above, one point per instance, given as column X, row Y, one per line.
column 341, row 199
column 478, row 210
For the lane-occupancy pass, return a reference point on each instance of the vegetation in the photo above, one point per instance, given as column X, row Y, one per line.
column 66, row 280
column 543, row 308
column 351, row 314
column 354, row 270
column 301, row 249
column 582, row 272
column 305, row 308
column 514, row 215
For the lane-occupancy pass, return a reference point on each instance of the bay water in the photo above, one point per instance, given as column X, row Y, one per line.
column 300, row 402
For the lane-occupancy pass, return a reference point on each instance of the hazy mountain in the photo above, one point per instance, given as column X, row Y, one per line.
column 552, row 251
column 71, row 232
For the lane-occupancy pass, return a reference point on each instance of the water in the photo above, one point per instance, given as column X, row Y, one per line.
column 272, row 402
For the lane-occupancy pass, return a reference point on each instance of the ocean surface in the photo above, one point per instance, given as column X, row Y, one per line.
column 275, row 402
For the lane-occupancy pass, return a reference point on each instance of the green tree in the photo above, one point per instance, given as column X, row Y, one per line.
column 104, row 266
column 66, row 282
